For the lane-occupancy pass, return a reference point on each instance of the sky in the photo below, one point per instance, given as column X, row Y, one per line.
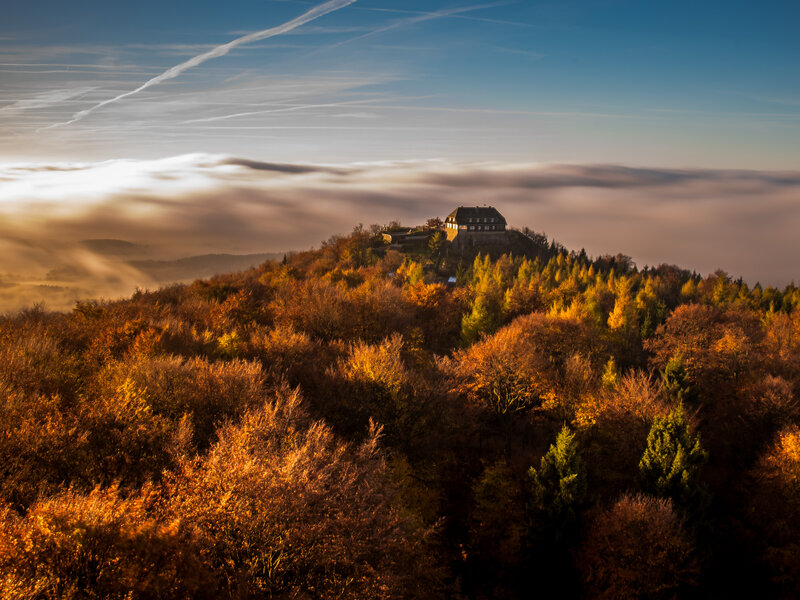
column 644, row 82
column 668, row 131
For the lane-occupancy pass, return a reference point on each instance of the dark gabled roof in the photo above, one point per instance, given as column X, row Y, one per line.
column 462, row 213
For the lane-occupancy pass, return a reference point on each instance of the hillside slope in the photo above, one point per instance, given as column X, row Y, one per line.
column 346, row 423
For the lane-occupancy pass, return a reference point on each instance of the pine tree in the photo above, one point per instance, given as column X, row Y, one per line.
column 558, row 490
column 672, row 461
column 676, row 381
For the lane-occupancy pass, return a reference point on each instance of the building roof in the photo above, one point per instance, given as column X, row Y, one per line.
column 462, row 213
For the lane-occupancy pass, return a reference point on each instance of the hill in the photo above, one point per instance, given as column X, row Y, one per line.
column 346, row 422
column 198, row 267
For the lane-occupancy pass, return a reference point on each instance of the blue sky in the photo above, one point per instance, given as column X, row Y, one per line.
column 673, row 84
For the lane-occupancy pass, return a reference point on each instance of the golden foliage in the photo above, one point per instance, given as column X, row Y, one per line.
column 774, row 508
column 99, row 545
column 172, row 387
column 616, row 422
column 530, row 363
column 281, row 507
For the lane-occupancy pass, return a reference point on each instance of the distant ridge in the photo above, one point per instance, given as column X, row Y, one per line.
column 113, row 247
column 199, row 267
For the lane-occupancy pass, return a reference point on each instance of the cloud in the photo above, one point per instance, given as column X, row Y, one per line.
column 455, row 15
column 216, row 52
column 46, row 99
column 742, row 221
column 617, row 177
column 419, row 17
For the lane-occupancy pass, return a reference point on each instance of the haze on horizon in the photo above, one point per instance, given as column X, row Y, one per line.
column 666, row 131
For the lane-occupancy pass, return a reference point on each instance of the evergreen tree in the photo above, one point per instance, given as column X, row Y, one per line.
column 610, row 376
column 676, row 381
column 672, row 461
column 436, row 246
column 558, row 490
column 479, row 320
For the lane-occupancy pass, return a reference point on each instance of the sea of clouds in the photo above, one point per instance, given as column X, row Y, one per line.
column 745, row 222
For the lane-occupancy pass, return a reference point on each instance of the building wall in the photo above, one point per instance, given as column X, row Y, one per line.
column 467, row 239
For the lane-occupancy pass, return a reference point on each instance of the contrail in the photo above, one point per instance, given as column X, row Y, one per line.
column 314, row 13
column 423, row 16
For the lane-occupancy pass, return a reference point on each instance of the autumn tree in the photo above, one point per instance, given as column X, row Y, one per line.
column 502, row 373
column 614, row 425
column 171, row 387
column 99, row 545
column 638, row 548
column 282, row 508
column 434, row 223
column 717, row 348
column 773, row 509
column 373, row 382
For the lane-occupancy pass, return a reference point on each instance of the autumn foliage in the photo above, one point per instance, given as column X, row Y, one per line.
column 347, row 423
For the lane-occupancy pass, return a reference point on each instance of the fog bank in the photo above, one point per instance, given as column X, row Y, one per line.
column 744, row 222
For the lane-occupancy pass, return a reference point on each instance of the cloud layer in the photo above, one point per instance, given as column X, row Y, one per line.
column 745, row 222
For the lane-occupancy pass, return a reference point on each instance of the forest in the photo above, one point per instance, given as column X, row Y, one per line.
column 347, row 423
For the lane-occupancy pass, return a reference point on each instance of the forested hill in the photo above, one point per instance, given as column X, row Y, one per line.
column 345, row 423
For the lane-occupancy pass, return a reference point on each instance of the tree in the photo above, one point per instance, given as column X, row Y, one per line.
column 773, row 509
column 437, row 244
column 671, row 463
column 676, row 380
column 524, row 365
column 281, row 508
column 103, row 544
column 614, row 424
column 481, row 319
column 623, row 318
column 638, row 548
column 497, row 515
column 434, row 223
column 610, row 374
column 558, row 490
column 717, row 349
